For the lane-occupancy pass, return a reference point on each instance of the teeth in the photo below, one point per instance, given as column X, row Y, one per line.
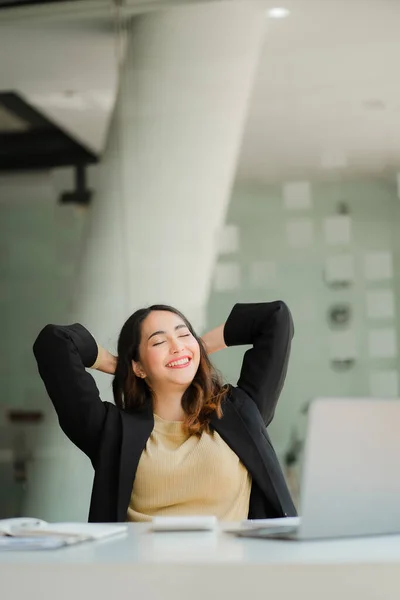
column 182, row 361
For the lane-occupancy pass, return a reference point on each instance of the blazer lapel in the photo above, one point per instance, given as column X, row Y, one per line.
column 234, row 432
column 136, row 430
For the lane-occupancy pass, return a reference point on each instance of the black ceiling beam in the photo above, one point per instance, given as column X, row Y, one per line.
column 17, row 3
column 44, row 145
column 42, row 151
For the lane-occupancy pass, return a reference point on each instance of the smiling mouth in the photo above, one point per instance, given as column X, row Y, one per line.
column 179, row 364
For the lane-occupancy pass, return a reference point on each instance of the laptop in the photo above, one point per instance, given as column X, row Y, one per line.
column 350, row 475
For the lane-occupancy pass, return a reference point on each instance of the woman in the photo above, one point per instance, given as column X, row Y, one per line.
column 176, row 442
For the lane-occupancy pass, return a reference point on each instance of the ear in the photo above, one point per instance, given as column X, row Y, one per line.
column 138, row 370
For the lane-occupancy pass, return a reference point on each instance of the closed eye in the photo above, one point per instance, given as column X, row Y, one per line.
column 184, row 335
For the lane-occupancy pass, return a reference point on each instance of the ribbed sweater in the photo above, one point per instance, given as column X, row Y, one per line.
column 181, row 474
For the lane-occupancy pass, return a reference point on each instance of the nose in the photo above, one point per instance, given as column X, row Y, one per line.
column 176, row 346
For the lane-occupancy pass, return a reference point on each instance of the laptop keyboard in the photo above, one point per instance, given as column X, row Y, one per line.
column 265, row 532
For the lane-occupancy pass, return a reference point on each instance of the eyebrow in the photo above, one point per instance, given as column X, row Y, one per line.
column 160, row 332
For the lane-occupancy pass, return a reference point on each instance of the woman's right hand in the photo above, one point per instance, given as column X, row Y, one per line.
column 105, row 361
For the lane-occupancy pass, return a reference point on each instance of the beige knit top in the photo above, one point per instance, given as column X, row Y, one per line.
column 179, row 474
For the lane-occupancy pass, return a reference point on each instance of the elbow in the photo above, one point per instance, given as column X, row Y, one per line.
column 43, row 339
column 285, row 317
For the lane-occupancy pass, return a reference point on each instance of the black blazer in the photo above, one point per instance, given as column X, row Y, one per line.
column 114, row 439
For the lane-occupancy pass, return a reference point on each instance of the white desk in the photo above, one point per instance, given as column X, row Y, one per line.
column 194, row 566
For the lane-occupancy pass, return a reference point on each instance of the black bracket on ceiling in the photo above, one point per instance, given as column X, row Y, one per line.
column 81, row 195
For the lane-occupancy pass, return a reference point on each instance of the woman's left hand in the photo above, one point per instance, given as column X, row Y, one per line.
column 214, row 340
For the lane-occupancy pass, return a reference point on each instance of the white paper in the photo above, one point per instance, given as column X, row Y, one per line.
column 339, row 269
column 228, row 239
column 297, row 195
column 31, row 543
column 27, row 526
column 382, row 343
column 380, row 304
column 227, row 276
column 342, row 345
column 384, row 384
column 378, row 266
column 337, row 230
column 8, row 525
column 90, row 531
column 300, row 233
column 262, row 273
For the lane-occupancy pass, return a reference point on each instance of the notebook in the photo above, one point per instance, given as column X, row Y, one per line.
column 23, row 532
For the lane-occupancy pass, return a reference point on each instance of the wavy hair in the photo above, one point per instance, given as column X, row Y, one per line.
column 200, row 401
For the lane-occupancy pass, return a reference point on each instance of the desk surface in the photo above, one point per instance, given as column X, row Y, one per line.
column 143, row 547
column 172, row 566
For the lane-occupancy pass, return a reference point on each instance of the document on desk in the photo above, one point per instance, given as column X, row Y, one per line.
column 29, row 533
column 30, row 543
column 256, row 523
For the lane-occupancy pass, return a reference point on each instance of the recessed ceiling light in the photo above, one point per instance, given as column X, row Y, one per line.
column 278, row 12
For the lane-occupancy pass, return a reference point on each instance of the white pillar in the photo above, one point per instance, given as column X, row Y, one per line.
column 166, row 178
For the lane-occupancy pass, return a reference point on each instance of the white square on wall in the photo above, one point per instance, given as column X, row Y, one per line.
column 226, row 276
column 297, row 195
column 300, row 233
column 380, row 304
column 228, row 239
column 262, row 273
column 378, row 266
column 339, row 268
column 384, row 384
column 337, row 230
column 382, row 343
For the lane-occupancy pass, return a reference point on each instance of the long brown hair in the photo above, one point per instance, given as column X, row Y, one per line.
column 201, row 399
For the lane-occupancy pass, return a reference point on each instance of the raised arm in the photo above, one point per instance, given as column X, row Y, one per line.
column 268, row 327
column 62, row 353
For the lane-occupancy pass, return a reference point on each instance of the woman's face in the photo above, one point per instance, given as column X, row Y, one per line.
column 169, row 353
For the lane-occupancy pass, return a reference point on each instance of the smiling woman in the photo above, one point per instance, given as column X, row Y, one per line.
column 177, row 441
column 161, row 361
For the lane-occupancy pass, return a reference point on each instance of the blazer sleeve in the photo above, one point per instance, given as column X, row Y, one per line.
column 268, row 327
column 62, row 353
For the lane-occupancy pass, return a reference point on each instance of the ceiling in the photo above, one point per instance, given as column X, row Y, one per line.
column 9, row 122
column 63, row 59
column 326, row 101
column 29, row 140
column 64, row 64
